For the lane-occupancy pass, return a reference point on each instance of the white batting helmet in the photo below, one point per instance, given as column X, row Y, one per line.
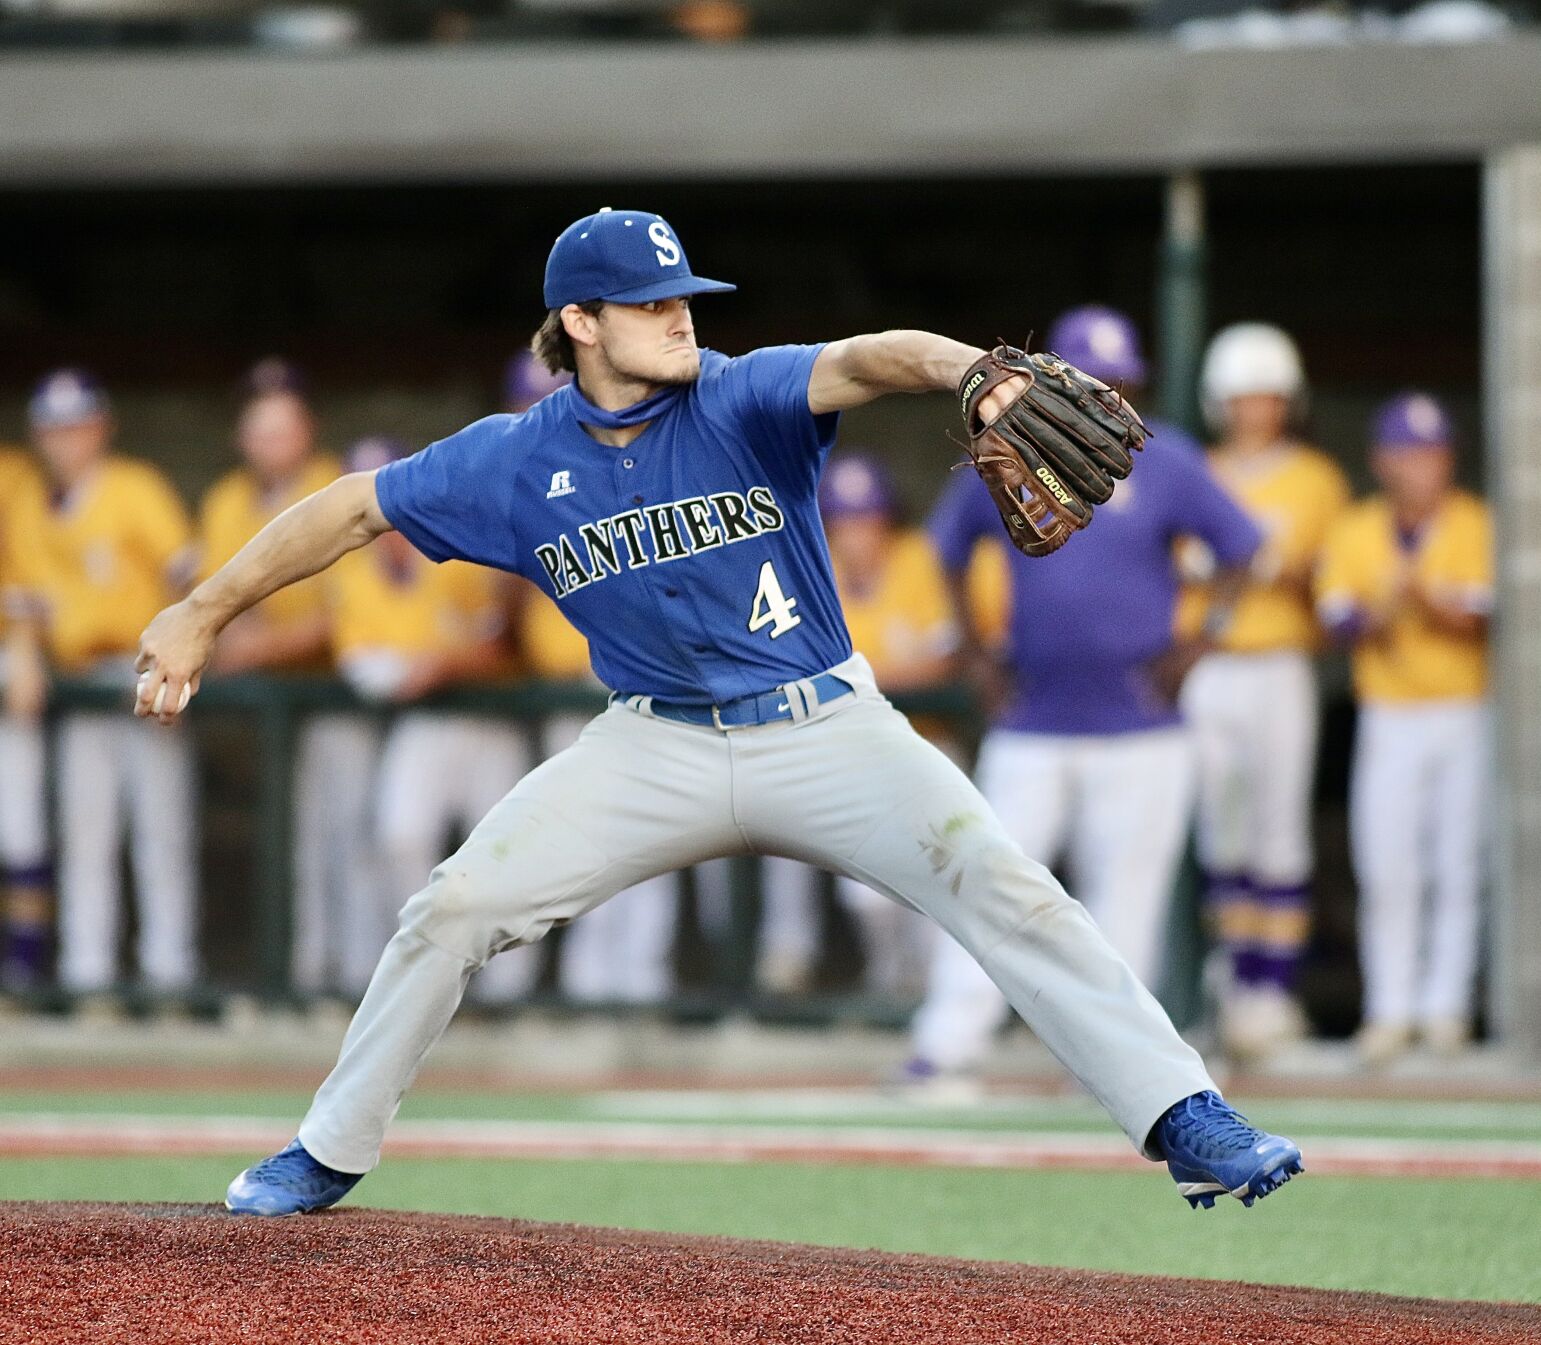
column 1250, row 357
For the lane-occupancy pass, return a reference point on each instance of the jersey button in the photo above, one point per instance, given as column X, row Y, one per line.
column 671, row 593
column 636, row 499
column 626, row 462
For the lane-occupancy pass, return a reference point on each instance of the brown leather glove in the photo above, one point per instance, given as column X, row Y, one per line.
column 1055, row 452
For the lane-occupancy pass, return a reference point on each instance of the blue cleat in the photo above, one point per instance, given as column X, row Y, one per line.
column 290, row 1182
column 1212, row 1151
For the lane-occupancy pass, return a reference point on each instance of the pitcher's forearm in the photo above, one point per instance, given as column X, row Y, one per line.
column 303, row 540
column 858, row 369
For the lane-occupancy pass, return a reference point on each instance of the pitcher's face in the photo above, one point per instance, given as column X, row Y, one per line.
column 649, row 343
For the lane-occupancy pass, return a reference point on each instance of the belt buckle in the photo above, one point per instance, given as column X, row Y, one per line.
column 717, row 720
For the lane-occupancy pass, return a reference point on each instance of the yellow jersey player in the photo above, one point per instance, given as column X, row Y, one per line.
column 91, row 550
column 289, row 632
column 276, row 437
column 404, row 628
column 24, row 851
column 1407, row 581
column 1252, row 704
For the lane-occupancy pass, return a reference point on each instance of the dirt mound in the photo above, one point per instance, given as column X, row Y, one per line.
column 153, row 1274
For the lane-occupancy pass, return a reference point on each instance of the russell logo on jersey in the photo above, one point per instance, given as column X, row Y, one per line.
column 658, row 533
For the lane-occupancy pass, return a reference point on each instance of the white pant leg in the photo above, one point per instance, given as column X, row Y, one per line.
column 337, row 873
column 621, row 950
column 90, row 831
column 789, row 911
column 1134, row 803
column 1281, row 766
column 1458, row 828
column 1216, row 709
column 894, row 812
column 633, row 798
column 1028, row 780
column 162, row 799
column 1386, row 804
column 23, row 800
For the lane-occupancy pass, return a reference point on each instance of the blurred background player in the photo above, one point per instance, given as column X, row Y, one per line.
column 402, row 629
column 1086, row 755
column 25, row 916
column 1253, row 703
column 623, row 950
column 92, row 549
column 290, row 633
column 1407, row 581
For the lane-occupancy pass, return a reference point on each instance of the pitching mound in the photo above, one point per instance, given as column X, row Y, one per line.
column 153, row 1274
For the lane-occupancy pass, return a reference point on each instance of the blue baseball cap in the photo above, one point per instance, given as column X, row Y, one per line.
column 857, row 484
column 624, row 257
column 1412, row 420
column 66, row 397
column 1100, row 341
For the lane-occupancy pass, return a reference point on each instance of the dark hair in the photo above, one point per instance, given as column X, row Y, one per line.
column 553, row 347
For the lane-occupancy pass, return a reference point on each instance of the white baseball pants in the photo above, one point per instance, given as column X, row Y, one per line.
column 1418, row 814
column 338, row 879
column 1254, row 720
column 848, row 786
column 1118, row 807
column 23, row 800
column 111, row 765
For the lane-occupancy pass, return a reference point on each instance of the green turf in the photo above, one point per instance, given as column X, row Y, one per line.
column 1439, row 1238
column 1302, row 1118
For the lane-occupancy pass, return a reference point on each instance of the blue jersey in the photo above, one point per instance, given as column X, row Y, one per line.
column 693, row 560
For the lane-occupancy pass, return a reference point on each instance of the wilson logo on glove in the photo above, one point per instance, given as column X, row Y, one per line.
column 1052, row 455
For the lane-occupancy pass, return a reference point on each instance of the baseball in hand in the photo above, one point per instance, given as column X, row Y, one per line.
column 160, row 698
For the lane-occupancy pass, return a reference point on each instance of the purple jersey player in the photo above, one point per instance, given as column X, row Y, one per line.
column 1086, row 757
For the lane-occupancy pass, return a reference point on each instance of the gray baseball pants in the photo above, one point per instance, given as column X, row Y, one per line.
column 848, row 786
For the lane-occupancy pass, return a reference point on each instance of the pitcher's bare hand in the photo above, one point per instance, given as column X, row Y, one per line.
column 172, row 654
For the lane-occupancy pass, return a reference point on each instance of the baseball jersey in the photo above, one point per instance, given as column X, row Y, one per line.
column 1084, row 623
column 18, row 471
column 236, row 509
column 693, row 560
column 1412, row 661
column 1294, row 496
column 101, row 562
column 550, row 644
column 905, row 615
column 421, row 609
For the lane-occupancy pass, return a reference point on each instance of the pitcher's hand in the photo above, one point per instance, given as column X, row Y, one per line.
column 173, row 651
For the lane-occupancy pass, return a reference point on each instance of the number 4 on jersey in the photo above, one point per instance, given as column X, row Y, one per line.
column 771, row 606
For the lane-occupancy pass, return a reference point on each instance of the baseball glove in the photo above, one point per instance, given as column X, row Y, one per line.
column 1055, row 452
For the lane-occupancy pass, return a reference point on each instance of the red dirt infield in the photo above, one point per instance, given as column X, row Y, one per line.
column 153, row 1274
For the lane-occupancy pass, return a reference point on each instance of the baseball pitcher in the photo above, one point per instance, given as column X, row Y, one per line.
column 1406, row 581
column 666, row 500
